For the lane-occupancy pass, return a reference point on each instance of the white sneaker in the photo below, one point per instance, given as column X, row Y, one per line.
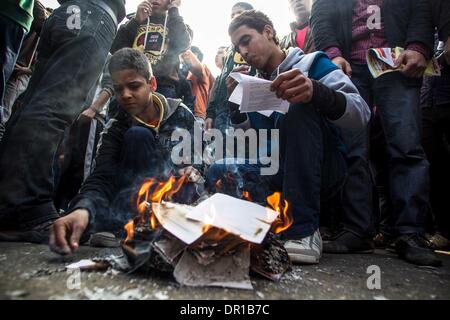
column 307, row 250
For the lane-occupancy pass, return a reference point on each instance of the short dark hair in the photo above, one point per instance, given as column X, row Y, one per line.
column 253, row 19
column 196, row 50
column 243, row 5
column 128, row 58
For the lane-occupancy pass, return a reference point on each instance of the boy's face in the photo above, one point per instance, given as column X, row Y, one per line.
column 160, row 6
column 256, row 48
column 132, row 90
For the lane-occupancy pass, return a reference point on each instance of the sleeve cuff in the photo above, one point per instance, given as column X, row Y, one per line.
column 419, row 47
column 333, row 52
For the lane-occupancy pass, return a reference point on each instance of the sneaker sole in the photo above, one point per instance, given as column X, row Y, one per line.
column 298, row 258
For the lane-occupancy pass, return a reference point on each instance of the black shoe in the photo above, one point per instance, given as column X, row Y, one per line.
column 414, row 249
column 347, row 242
column 35, row 234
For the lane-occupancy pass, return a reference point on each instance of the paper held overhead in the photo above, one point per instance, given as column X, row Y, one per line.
column 253, row 94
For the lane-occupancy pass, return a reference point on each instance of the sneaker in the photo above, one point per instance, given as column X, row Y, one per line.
column 36, row 234
column 104, row 240
column 413, row 248
column 348, row 242
column 307, row 250
column 439, row 242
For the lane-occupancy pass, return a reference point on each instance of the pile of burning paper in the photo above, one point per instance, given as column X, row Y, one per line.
column 214, row 243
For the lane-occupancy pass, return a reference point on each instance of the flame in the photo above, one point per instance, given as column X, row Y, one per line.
column 218, row 185
column 284, row 220
column 246, row 196
column 129, row 227
column 162, row 191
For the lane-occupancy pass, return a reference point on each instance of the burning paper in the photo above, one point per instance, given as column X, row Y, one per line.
column 246, row 219
column 173, row 217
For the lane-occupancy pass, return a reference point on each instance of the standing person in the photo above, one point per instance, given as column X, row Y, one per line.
column 300, row 36
column 159, row 31
column 200, row 77
column 217, row 114
column 74, row 44
column 15, row 21
column 218, row 60
column 345, row 33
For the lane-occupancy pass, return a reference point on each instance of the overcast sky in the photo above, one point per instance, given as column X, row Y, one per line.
column 210, row 18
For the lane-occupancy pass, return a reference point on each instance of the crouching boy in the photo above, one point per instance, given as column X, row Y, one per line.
column 136, row 144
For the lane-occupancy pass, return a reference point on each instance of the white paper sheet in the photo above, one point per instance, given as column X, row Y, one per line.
column 253, row 94
column 246, row 219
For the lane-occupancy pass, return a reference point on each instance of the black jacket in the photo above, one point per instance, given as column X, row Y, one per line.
column 175, row 35
column 100, row 188
column 405, row 21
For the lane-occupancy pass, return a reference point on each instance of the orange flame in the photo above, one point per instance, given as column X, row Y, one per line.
column 129, row 227
column 246, row 196
column 162, row 191
column 284, row 220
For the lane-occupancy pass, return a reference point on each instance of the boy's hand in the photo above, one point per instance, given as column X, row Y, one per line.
column 415, row 63
column 144, row 10
column 231, row 83
column 343, row 65
column 293, row 86
column 66, row 232
column 191, row 173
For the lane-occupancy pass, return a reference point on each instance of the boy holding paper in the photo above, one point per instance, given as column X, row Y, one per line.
column 323, row 102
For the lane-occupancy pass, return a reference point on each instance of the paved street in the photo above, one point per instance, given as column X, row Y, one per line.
column 30, row 271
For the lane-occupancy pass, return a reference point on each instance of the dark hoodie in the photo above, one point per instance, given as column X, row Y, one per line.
column 100, row 189
column 166, row 40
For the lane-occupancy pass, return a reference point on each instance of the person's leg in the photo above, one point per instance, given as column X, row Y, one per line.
column 357, row 217
column 397, row 98
column 70, row 60
column 379, row 162
column 11, row 37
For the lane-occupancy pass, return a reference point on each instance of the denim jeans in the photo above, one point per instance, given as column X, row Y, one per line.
column 311, row 169
column 11, row 37
column 70, row 61
column 397, row 100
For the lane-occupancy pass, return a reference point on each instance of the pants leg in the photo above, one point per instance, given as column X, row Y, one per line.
column 397, row 98
column 310, row 167
column 357, row 193
column 70, row 61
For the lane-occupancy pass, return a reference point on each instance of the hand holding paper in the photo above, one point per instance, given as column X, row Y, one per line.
column 253, row 95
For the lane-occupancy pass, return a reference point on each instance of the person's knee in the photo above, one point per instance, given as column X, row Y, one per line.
column 138, row 134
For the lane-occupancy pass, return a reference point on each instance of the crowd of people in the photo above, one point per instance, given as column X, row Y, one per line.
column 89, row 105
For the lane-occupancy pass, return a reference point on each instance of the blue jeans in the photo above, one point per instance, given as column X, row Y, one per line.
column 397, row 101
column 311, row 169
column 11, row 37
column 69, row 63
